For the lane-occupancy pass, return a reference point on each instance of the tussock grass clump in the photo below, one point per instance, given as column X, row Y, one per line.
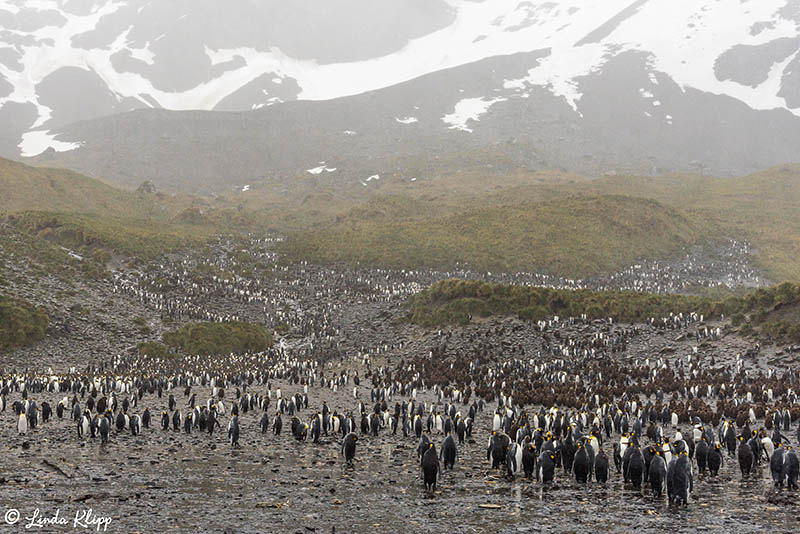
column 772, row 313
column 219, row 338
column 21, row 323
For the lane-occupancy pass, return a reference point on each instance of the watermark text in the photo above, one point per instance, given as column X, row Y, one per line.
column 35, row 520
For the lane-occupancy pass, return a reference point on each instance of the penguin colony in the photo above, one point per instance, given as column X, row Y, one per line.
column 666, row 423
column 561, row 399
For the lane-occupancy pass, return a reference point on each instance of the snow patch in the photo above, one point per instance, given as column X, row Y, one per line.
column 218, row 57
column 406, row 120
column 469, row 109
column 72, row 254
column 7, row 6
column 35, row 142
column 245, row 188
column 772, row 85
column 559, row 71
column 715, row 28
column 143, row 54
column 320, row 169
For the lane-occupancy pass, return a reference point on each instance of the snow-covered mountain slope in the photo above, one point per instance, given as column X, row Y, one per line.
column 457, row 120
column 67, row 60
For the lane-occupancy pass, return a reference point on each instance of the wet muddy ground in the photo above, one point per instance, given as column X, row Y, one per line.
column 162, row 481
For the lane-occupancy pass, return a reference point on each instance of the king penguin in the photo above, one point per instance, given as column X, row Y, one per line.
column 233, row 431
column 430, row 468
column 22, row 424
column 349, row 447
column 657, row 473
column 449, row 452
column 601, row 467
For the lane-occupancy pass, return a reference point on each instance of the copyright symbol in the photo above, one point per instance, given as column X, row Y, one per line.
column 12, row 516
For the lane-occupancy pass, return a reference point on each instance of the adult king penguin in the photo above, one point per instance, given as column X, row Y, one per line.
column 580, row 464
column 745, row 456
column 233, row 431
column 430, row 468
column 449, row 452
column 349, row 447
column 679, row 479
column 22, row 424
column 528, row 458
column 791, row 468
column 601, row 467
column 714, row 459
column 657, row 473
